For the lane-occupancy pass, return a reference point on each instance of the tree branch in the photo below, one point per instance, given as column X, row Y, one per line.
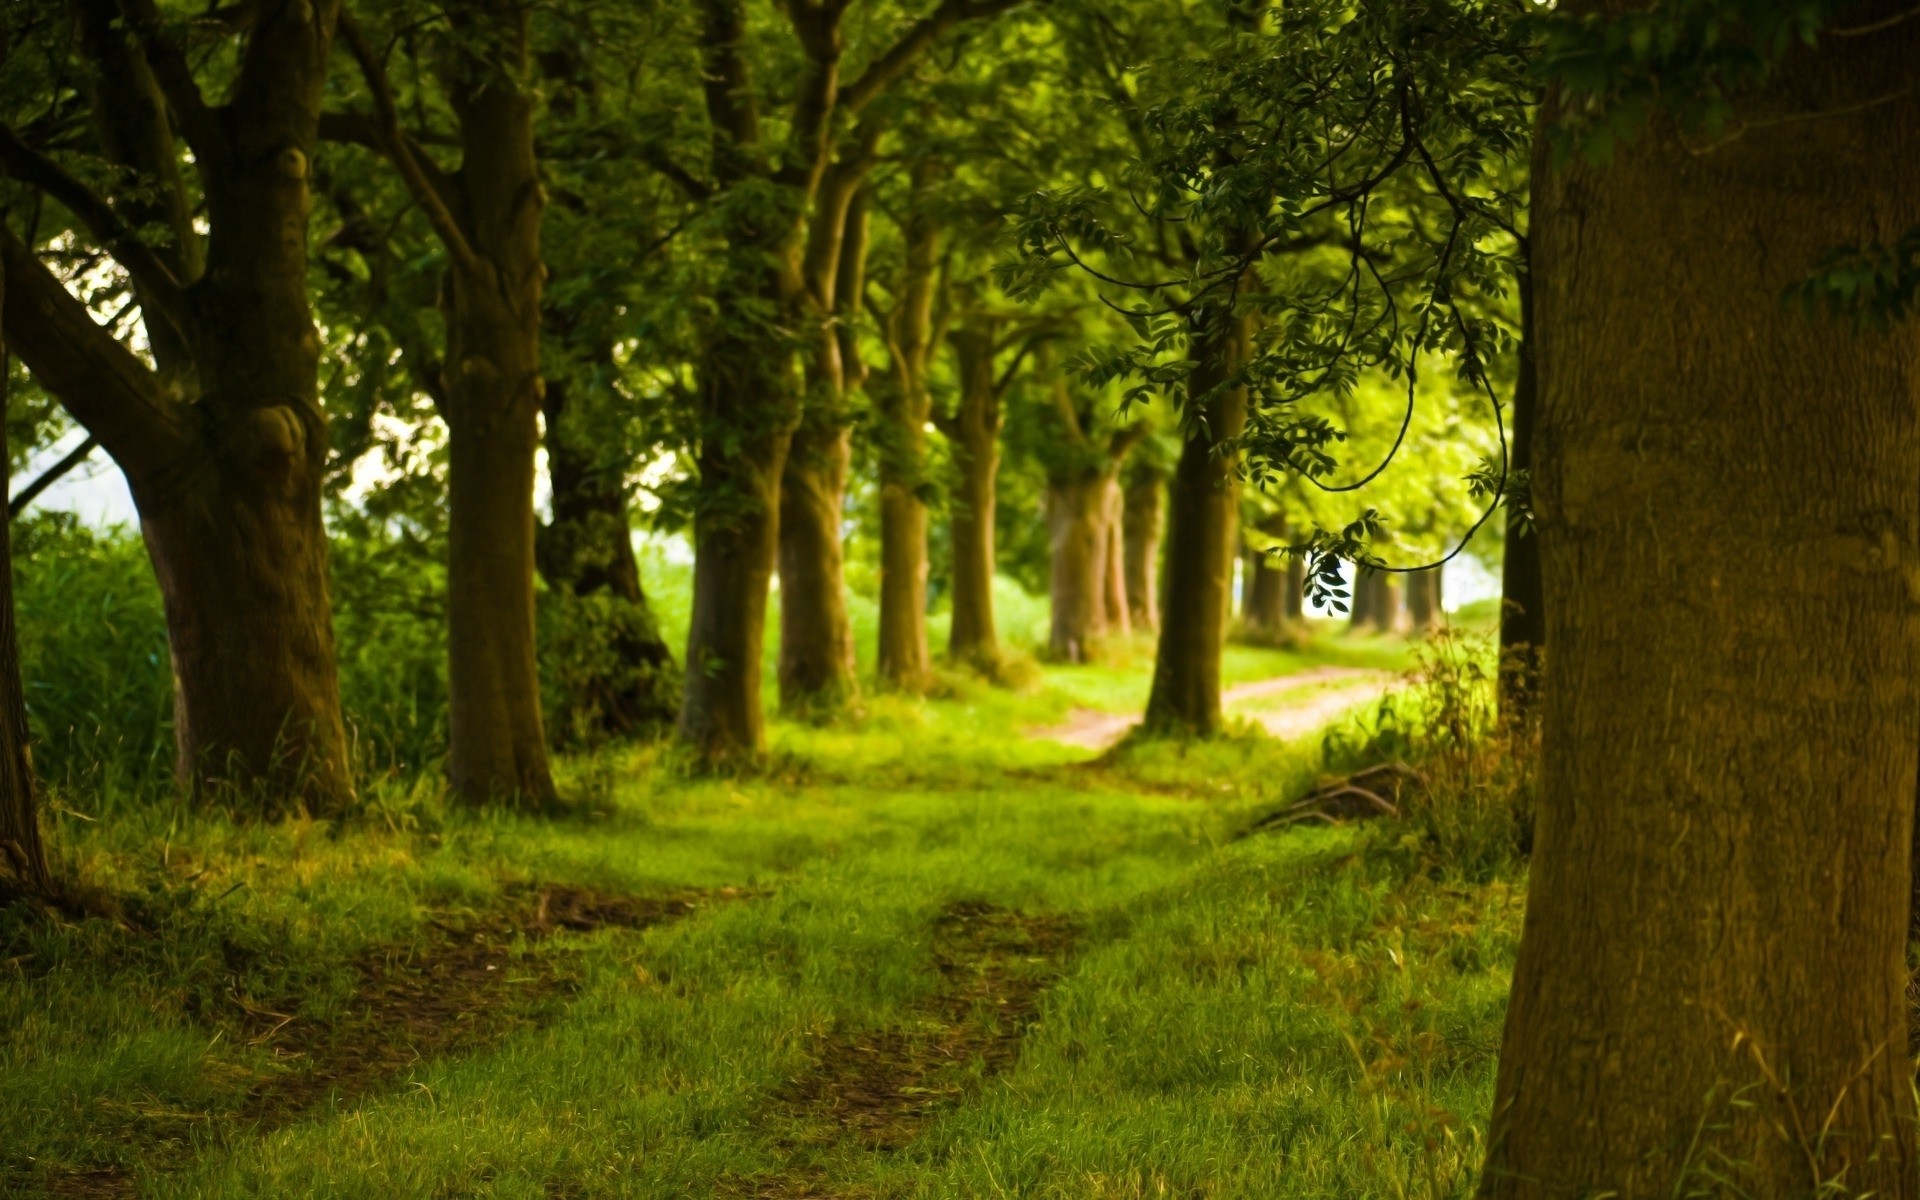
column 157, row 283
column 398, row 148
column 94, row 377
column 17, row 503
column 174, row 75
column 894, row 62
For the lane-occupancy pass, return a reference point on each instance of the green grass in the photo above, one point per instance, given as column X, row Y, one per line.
column 1310, row 1014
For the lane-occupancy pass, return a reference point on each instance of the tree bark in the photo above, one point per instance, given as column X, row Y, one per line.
column 973, row 437
column 20, row 846
column 1263, row 608
column 1114, row 590
column 1365, row 594
column 817, row 676
column 228, row 486
column 1712, row 974
column 1523, row 624
column 1141, row 525
column 497, row 746
column 1202, row 538
column 1077, row 539
column 1424, row 610
column 630, row 685
column 903, row 407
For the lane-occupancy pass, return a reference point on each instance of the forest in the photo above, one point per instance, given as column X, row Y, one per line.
column 858, row 599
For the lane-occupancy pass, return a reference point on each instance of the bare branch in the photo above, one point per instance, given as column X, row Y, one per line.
column 17, row 503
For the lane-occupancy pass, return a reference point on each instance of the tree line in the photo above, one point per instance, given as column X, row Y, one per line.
column 1642, row 271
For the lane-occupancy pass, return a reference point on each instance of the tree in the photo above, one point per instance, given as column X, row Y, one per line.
column 1143, row 522
column 20, row 844
column 913, row 329
column 1721, row 482
column 486, row 213
column 783, row 208
column 223, row 442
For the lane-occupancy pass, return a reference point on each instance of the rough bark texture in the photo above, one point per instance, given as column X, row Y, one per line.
column 1142, row 523
column 1712, row 973
column 902, row 408
column 973, row 438
column 228, row 487
column 628, row 682
column 497, row 747
column 1523, row 622
column 21, row 850
column 1202, row 543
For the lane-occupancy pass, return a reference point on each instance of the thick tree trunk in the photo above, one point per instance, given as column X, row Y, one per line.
column 497, row 744
column 1141, row 523
column 746, row 417
column 903, row 407
column 1202, row 538
column 1523, row 622
column 817, row 675
column 21, row 850
column 628, row 683
column 1114, row 591
column 1424, row 611
column 1077, row 540
column 1296, row 589
column 233, row 523
column 973, row 437
column 1710, row 990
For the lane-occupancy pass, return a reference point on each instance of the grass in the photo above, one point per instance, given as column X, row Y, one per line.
column 1033, row 977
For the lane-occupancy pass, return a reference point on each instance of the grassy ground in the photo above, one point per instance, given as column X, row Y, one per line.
column 927, row 957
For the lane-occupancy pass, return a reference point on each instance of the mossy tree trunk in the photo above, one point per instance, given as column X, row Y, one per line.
column 973, row 438
column 21, row 849
column 1711, row 983
column 1202, row 543
column 903, row 407
column 628, row 683
column 224, row 450
column 1142, row 525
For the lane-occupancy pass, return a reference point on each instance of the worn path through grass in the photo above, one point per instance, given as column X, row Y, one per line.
column 924, row 957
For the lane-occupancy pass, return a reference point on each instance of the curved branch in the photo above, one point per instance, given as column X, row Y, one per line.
column 35, row 169
column 17, row 503
column 896, row 60
column 398, row 148
column 174, row 75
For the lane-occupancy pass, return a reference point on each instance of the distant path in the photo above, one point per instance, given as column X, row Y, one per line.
column 1091, row 729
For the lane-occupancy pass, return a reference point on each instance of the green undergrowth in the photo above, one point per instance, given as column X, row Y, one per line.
column 1041, row 972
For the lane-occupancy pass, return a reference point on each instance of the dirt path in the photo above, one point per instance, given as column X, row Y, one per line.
column 1092, row 729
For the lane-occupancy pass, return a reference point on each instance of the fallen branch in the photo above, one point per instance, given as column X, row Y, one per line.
column 1374, row 792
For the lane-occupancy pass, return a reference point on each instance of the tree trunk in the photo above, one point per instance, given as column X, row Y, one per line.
column 1366, row 594
column 973, row 437
column 497, row 744
column 1523, row 624
column 1078, row 540
column 903, row 407
column 1296, row 589
column 20, row 845
column 1202, row 537
column 627, row 682
column 1141, row 526
column 1710, row 990
column 817, row 676
column 1263, row 608
column 1424, row 611
column 1114, row 591
column 745, row 418
column 1384, row 614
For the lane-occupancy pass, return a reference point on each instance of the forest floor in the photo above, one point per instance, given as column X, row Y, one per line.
column 929, row 955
